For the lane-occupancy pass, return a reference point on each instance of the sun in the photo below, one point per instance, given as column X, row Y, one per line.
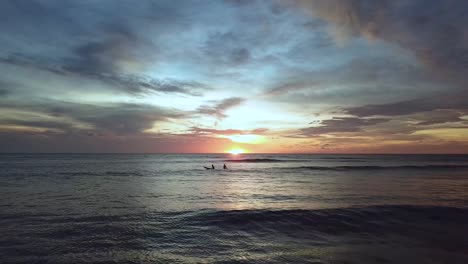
column 236, row 151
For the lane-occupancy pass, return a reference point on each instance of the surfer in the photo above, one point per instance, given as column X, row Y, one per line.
column 210, row 168
column 225, row 167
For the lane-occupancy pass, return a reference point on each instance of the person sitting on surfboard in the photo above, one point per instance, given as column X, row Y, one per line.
column 212, row 167
column 225, row 167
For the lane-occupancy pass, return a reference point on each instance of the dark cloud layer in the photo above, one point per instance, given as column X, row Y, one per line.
column 426, row 104
column 103, row 143
column 435, row 31
column 105, row 118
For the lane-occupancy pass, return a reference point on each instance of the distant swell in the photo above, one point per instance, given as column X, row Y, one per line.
column 410, row 167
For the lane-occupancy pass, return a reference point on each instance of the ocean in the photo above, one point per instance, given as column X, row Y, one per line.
column 166, row 208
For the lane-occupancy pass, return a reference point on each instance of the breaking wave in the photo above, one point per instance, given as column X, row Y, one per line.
column 256, row 160
column 193, row 236
column 406, row 167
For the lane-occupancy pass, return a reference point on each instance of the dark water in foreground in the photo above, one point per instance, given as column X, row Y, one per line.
column 264, row 209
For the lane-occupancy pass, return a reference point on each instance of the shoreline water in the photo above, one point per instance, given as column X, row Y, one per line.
column 168, row 209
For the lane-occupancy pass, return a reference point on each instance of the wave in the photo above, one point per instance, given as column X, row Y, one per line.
column 352, row 217
column 221, row 232
column 105, row 173
column 256, row 160
column 410, row 167
column 325, row 220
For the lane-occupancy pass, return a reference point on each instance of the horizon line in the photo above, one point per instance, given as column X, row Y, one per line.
column 224, row 153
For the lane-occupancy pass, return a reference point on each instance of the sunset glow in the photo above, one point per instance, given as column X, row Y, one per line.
column 250, row 139
column 166, row 77
column 236, row 151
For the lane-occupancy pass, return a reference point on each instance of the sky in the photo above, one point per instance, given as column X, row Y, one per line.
column 289, row 76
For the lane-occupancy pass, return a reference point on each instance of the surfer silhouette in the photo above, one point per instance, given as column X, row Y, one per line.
column 225, row 167
column 210, row 168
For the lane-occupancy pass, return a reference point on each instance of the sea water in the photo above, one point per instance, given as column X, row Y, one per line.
column 166, row 208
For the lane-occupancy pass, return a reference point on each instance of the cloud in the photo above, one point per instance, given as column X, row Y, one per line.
column 80, row 142
column 4, row 91
column 388, row 144
column 457, row 101
column 291, row 86
column 395, row 68
column 240, row 56
column 116, row 118
column 376, row 79
column 434, row 31
column 440, row 117
column 33, row 125
column 22, row 60
column 371, row 71
column 219, row 109
column 108, row 56
column 228, row 48
column 228, row 132
column 340, row 125
column 238, row 2
column 141, row 84
column 112, row 42
column 129, row 83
